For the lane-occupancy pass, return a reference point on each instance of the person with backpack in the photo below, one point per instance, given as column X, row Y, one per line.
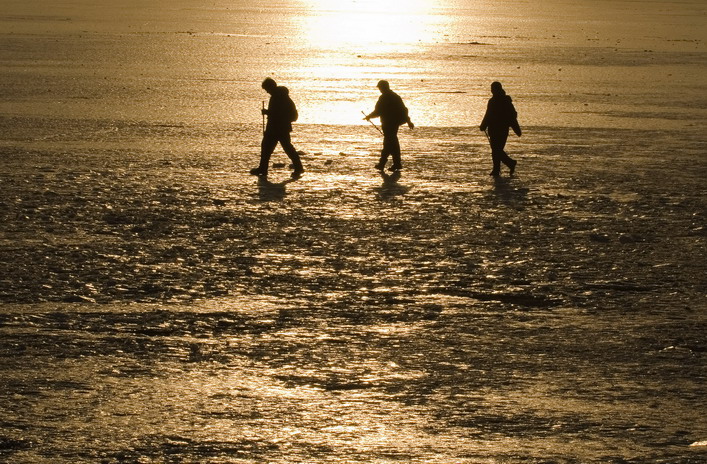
column 281, row 113
column 500, row 116
column 392, row 112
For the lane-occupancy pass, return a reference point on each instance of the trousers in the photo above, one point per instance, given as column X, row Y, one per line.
column 267, row 147
column 498, row 137
column 391, row 145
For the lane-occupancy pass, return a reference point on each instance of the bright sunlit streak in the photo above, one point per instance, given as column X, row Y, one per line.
column 351, row 43
column 367, row 25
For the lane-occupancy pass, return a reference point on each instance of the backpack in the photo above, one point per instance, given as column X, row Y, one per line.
column 292, row 110
column 403, row 116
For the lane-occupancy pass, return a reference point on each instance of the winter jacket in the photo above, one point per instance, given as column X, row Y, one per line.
column 500, row 115
column 391, row 109
column 281, row 111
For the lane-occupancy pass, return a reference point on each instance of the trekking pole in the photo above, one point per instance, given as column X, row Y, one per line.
column 372, row 123
column 487, row 135
column 263, row 117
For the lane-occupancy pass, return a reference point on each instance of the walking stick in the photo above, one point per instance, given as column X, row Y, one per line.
column 263, row 117
column 372, row 123
column 487, row 135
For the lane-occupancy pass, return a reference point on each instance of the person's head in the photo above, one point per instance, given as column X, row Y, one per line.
column 383, row 86
column 497, row 89
column 269, row 85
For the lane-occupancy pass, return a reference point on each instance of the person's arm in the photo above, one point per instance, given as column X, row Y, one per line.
column 485, row 121
column 516, row 127
column 514, row 120
column 376, row 112
column 265, row 110
column 408, row 121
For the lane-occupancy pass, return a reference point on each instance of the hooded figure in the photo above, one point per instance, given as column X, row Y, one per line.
column 281, row 113
column 393, row 113
column 499, row 118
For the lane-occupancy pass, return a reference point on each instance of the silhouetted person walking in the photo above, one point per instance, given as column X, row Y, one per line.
column 281, row 113
column 393, row 113
column 500, row 116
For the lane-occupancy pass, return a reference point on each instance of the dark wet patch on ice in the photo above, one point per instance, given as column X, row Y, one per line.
column 8, row 444
column 520, row 299
column 328, row 383
column 478, row 420
column 177, row 447
column 621, row 286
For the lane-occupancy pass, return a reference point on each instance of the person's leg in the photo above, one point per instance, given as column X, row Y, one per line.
column 496, row 169
column 391, row 146
column 395, row 152
column 498, row 155
column 510, row 162
column 383, row 159
column 505, row 159
column 267, row 146
column 291, row 152
column 384, row 156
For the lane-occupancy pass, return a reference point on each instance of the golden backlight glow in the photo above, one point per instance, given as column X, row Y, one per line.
column 350, row 42
column 369, row 25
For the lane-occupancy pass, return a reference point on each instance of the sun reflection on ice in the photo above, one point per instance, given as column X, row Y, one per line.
column 348, row 44
column 368, row 26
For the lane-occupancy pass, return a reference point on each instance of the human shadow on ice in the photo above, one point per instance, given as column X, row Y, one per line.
column 271, row 191
column 500, row 116
column 390, row 187
column 505, row 190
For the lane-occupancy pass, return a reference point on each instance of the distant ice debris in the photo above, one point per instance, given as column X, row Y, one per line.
column 599, row 237
column 700, row 443
column 631, row 238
